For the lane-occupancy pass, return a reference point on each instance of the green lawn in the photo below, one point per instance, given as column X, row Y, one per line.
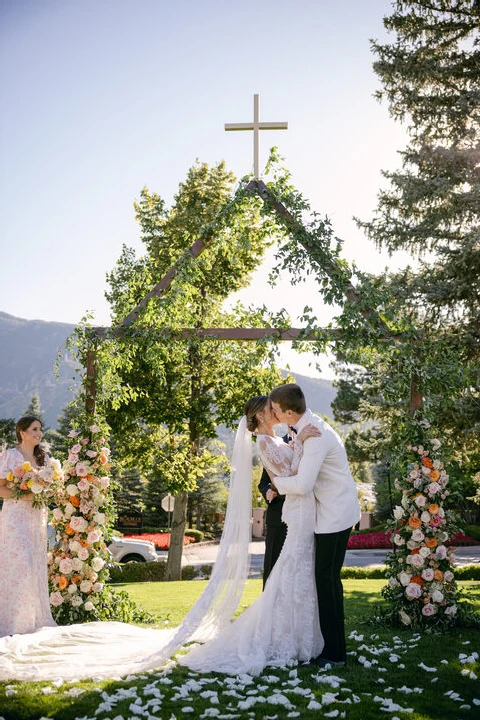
column 388, row 674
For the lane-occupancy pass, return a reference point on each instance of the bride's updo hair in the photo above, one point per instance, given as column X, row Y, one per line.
column 252, row 407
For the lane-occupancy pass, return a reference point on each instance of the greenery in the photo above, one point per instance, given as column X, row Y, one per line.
column 422, row 672
column 428, row 68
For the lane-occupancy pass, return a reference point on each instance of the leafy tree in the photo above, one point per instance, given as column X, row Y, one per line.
column 167, row 394
column 429, row 71
column 34, row 407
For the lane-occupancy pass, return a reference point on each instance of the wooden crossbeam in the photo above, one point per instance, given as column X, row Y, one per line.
column 284, row 334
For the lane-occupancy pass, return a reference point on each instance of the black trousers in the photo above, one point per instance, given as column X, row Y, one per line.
column 330, row 549
column 275, row 537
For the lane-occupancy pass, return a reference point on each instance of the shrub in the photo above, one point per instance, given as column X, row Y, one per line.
column 197, row 535
column 189, row 572
column 205, row 570
column 138, row 572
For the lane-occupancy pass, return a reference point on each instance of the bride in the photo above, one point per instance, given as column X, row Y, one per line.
column 279, row 628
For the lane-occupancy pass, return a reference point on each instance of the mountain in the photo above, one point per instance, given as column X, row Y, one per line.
column 29, row 350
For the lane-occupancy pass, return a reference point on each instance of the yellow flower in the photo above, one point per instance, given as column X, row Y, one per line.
column 26, row 466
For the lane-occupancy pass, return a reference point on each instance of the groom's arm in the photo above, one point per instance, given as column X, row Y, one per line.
column 314, row 453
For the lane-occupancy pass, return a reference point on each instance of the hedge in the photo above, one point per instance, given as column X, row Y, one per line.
column 155, row 571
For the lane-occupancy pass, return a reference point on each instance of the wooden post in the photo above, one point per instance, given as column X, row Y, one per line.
column 91, row 382
column 416, row 400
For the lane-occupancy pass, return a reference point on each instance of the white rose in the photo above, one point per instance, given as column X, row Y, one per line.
column 427, row 574
column 57, row 514
column 416, row 560
column 78, row 523
column 97, row 587
column 398, row 540
column 72, row 589
column 425, row 517
column 72, row 489
column 94, row 429
column 448, row 576
column 398, row 512
column 77, row 564
column 74, row 546
column 437, row 596
column 89, row 606
column 393, row 582
column 424, row 552
column 94, row 536
column 83, row 553
column 97, row 563
column 76, row 600
column 99, row 518
column 413, row 591
column 417, row 535
column 85, row 586
column 404, row 578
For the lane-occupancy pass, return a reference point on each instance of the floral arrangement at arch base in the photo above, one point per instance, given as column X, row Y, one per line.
column 78, row 566
column 421, row 589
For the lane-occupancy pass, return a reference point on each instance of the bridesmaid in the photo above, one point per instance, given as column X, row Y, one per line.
column 24, row 598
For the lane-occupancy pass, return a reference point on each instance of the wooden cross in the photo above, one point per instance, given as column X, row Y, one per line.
column 256, row 126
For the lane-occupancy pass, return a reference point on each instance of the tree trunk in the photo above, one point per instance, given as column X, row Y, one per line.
column 173, row 570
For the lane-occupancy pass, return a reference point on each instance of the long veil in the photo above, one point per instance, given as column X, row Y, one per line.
column 114, row 649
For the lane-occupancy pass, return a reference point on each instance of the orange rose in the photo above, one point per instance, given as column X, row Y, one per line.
column 431, row 542
column 428, row 462
column 62, row 582
column 438, row 575
column 433, row 509
column 414, row 522
column 415, row 551
column 434, row 475
column 417, row 579
column 69, row 530
column 84, row 543
column 77, row 578
column 74, row 500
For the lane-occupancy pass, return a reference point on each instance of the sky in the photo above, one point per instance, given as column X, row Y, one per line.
column 103, row 97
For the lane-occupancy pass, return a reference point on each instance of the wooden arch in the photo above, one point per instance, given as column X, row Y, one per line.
column 249, row 334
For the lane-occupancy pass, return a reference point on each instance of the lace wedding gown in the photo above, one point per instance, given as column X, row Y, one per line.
column 24, row 599
column 282, row 625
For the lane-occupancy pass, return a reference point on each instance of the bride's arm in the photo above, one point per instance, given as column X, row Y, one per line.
column 5, row 492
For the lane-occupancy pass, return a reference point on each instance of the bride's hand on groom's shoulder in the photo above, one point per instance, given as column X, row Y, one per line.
column 307, row 432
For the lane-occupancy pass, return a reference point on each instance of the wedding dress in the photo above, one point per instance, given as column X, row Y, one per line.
column 24, row 598
column 280, row 627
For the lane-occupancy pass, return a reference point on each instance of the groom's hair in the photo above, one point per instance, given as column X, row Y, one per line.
column 289, row 397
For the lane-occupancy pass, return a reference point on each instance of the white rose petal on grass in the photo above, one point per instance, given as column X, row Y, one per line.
column 426, row 668
column 314, row 705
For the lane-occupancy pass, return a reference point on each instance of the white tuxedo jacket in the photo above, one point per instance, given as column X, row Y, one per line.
column 324, row 469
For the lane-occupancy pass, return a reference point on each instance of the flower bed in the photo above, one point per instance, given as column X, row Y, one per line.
column 367, row 541
column 160, row 540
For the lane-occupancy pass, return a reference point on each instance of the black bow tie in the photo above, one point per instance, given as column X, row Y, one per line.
column 292, row 429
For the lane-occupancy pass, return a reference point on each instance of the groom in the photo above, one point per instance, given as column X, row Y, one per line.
column 323, row 469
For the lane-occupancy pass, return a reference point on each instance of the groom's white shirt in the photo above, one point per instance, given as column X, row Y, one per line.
column 324, row 469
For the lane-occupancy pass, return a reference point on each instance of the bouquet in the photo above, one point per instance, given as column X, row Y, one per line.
column 42, row 483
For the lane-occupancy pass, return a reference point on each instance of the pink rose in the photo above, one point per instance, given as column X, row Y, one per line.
column 56, row 599
column 428, row 574
column 65, row 566
column 18, row 472
column 84, row 441
column 73, row 434
column 413, row 591
column 81, row 469
column 429, row 610
column 436, row 521
column 94, row 536
column 433, row 488
column 420, row 500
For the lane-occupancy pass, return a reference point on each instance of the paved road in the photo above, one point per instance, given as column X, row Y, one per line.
column 206, row 553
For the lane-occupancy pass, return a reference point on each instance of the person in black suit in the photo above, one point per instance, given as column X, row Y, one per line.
column 276, row 529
